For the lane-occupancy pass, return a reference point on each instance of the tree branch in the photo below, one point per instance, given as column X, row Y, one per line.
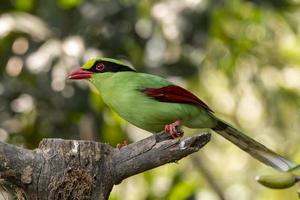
column 152, row 152
column 73, row 169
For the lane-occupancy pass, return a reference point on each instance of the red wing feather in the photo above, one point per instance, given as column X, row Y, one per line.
column 175, row 94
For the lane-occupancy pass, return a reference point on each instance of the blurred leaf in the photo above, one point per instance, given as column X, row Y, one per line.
column 182, row 191
column 24, row 5
column 277, row 180
column 67, row 4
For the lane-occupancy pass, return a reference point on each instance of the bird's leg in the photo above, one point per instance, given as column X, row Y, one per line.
column 174, row 129
column 120, row 145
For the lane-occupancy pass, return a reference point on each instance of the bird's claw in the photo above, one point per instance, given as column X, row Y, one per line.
column 120, row 145
column 174, row 129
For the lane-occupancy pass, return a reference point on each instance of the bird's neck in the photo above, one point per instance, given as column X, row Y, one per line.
column 101, row 80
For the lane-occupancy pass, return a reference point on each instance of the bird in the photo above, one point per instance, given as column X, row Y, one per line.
column 155, row 104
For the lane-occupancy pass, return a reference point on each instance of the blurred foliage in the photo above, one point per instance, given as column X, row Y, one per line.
column 241, row 57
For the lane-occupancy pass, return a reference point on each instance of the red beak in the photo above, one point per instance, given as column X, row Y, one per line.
column 79, row 73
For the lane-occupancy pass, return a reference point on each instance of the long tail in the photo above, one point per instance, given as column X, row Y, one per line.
column 254, row 148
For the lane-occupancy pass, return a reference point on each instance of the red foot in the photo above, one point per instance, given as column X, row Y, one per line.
column 120, row 145
column 174, row 129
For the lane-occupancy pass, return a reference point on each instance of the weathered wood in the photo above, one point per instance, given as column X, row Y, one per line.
column 153, row 152
column 72, row 169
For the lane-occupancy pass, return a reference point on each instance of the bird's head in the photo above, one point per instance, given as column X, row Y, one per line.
column 99, row 65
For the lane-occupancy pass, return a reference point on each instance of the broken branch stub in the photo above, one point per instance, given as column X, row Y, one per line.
column 72, row 169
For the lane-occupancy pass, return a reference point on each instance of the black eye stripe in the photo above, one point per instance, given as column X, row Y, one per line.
column 104, row 66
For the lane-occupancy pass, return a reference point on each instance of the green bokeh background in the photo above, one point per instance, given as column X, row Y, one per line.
column 241, row 57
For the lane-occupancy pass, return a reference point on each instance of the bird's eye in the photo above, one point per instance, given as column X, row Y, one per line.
column 99, row 67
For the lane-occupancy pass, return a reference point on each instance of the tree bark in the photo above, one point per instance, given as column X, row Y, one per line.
column 76, row 169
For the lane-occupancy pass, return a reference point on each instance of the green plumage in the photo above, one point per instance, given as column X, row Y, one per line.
column 123, row 89
column 122, row 92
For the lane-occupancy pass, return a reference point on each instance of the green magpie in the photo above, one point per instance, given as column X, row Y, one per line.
column 155, row 104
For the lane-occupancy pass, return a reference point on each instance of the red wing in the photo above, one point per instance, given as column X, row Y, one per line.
column 175, row 94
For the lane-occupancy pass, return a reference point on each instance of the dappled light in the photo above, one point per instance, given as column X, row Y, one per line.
column 240, row 57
